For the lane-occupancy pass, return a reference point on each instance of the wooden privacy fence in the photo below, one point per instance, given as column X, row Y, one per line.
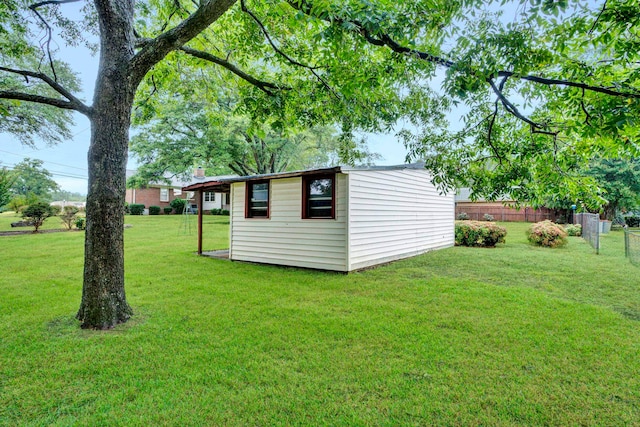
column 476, row 211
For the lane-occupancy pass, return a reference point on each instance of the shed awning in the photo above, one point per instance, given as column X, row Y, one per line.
column 212, row 186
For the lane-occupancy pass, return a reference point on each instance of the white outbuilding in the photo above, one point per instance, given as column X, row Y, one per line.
column 339, row 218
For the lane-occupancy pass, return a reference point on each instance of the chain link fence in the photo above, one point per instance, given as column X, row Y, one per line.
column 632, row 245
column 590, row 228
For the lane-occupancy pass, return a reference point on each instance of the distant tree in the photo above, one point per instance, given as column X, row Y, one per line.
column 620, row 180
column 6, row 182
column 30, row 178
column 209, row 132
column 17, row 203
column 37, row 213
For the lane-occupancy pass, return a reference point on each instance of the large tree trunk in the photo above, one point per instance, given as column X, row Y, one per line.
column 103, row 297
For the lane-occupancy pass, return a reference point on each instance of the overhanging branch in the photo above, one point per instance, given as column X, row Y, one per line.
column 73, row 103
column 34, row 8
column 156, row 49
column 266, row 87
column 280, row 52
column 382, row 39
column 20, row 96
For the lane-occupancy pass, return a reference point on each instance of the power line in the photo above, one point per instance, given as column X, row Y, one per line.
column 44, row 161
column 57, row 173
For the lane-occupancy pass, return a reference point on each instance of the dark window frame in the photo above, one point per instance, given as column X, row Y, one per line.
column 306, row 181
column 248, row 213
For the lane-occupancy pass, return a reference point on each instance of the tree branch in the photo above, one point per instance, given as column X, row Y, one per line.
column 20, row 96
column 260, row 84
column 156, row 49
column 560, row 82
column 279, row 51
column 73, row 102
column 385, row 40
column 593, row 27
column 34, row 8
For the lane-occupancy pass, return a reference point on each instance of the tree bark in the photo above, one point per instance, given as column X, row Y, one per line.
column 104, row 303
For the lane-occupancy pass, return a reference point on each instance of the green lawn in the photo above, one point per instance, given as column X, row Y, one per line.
column 515, row 335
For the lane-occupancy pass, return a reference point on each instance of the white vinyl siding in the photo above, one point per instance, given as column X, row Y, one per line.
column 285, row 238
column 396, row 214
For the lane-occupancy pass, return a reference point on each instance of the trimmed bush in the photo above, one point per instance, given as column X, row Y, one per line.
column 215, row 211
column 178, row 205
column 488, row 217
column 574, row 229
column 479, row 234
column 154, row 210
column 80, row 223
column 224, row 212
column 136, row 209
column 167, row 210
column 547, row 233
column 462, row 216
column 37, row 213
column 68, row 217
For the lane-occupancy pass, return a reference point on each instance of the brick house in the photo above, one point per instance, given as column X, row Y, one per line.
column 161, row 194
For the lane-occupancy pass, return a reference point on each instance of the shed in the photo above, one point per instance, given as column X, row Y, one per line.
column 339, row 218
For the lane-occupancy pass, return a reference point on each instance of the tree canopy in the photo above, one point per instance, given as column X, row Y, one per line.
column 31, row 179
column 194, row 125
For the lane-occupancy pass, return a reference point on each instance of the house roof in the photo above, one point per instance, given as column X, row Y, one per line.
column 464, row 195
column 222, row 184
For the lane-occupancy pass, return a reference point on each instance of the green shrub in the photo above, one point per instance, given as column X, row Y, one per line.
column 37, row 213
column 462, row 216
column 224, row 212
column 127, row 211
column 632, row 221
column 215, row 211
column 573, row 229
column 547, row 233
column 178, row 205
column 478, row 233
column 136, row 209
column 488, row 217
column 167, row 210
column 154, row 210
column 80, row 223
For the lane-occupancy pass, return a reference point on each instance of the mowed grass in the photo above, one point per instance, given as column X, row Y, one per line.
column 515, row 335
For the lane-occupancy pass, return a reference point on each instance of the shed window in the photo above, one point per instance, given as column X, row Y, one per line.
column 164, row 194
column 257, row 199
column 318, row 196
column 209, row 196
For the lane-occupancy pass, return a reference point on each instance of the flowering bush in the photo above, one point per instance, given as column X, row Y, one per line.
column 462, row 216
column 488, row 217
column 547, row 233
column 479, row 233
column 574, row 229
